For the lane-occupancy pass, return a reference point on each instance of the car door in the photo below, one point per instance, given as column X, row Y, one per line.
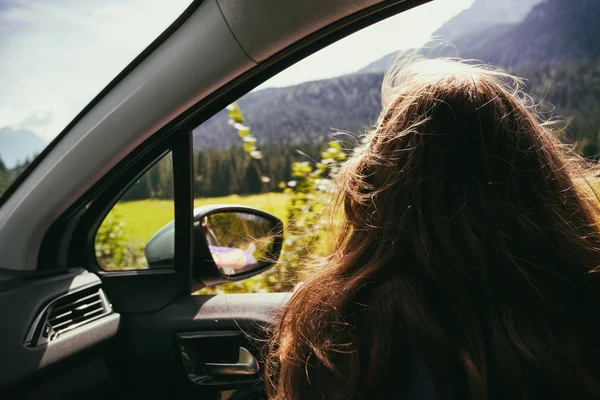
column 148, row 336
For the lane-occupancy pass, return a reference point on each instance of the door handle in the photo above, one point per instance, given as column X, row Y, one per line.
column 246, row 365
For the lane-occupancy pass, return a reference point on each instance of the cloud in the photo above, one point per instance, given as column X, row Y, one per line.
column 57, row 55
column 38, row 120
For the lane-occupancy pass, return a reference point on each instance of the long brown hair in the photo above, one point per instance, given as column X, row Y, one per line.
column 470, row 238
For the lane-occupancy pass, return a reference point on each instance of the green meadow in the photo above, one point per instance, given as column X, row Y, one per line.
column 142, row 218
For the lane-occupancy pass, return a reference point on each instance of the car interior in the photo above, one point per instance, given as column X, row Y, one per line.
column 72, row 329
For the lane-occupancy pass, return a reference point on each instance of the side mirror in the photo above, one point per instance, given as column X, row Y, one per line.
column 231, row 243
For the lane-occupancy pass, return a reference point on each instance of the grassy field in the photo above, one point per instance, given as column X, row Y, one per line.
column 143, row 218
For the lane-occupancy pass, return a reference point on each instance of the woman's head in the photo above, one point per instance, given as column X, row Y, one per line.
column 469, row 231
column 460, row 166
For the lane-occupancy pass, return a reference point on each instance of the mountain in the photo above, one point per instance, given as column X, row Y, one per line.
column 484, row 13
column 553, row 31
column 300, row 114
column 17, row 146
column 484, row 19
column 556, row 31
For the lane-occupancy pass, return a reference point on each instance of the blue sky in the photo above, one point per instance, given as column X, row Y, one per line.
column 56, row 55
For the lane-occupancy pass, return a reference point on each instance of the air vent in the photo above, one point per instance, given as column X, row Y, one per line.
column 68, row 313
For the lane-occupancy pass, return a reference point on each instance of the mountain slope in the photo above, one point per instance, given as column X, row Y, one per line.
column 300, row 114
column 485, row 19
column 483, row 14
column 16, row 146
column 554, row 31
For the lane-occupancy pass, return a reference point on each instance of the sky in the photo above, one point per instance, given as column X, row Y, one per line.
column 56, row 55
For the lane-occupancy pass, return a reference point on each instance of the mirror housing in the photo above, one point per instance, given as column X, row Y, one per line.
column 231, row 243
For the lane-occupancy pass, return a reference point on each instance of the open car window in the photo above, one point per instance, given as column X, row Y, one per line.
column 278, row 147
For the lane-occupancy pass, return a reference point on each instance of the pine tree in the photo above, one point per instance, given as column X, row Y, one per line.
column 5, row 177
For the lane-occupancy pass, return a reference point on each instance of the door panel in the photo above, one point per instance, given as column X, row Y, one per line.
column 85, row 378
column 151, row 343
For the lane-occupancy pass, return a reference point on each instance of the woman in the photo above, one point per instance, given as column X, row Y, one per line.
column 466, row 264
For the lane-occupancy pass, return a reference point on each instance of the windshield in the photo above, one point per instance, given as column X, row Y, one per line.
column 56, row 57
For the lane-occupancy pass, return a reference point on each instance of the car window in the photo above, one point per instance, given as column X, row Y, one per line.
column 144, row 209
column 56, row 57
column 277, row 147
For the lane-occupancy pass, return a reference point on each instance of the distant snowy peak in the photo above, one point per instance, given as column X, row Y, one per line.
column 18, row 145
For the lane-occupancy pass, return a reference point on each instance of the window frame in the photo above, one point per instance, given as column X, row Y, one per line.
column 91, row 259
column 179, row 146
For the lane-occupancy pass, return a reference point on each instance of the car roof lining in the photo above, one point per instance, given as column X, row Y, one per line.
column 274, row 27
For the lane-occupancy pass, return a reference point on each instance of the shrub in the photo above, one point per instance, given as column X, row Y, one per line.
column 114, row 250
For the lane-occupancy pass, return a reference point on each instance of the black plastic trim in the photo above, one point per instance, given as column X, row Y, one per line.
column 184, row 205
column 33, row 338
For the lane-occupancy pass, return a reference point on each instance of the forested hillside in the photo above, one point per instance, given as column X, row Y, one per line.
column 302, row 114
column 573, row 88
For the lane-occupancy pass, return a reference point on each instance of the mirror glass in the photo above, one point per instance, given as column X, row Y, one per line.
column 239, row 242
